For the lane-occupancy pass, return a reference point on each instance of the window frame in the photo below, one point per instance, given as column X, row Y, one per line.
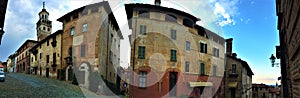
column 143, row 29
column 142, row 79
column 233, row 68
column 187, row 66
column 202, row 68
column 216, row 52
column 214, row 70
column 141, row 52
column 173, row 34
column 203, row 47
column 84, row 27
column 173, row 56
column 83, row 50
column 72, row 31
column 187, row 45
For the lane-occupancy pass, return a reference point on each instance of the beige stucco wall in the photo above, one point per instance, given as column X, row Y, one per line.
column 47, row 50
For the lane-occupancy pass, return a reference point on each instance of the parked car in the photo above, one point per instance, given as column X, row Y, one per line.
column 2, row 76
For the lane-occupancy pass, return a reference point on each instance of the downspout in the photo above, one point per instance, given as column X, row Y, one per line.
column 133, row 63
column 224, row 80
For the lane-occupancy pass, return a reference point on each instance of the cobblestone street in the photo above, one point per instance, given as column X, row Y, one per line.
column 23, row 85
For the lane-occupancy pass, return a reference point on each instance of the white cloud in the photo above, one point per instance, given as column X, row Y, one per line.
column 225, row 10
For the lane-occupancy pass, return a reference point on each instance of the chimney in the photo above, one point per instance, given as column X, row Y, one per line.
column 229, row 46
column 234, row 55
column 157, row 2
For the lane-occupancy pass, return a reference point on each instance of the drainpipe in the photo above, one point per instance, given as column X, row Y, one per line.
column 133, row 63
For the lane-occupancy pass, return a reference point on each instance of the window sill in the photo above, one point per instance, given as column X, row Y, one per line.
column 173, row 60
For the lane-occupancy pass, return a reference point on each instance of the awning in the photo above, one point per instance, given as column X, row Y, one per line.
column 197, row 84
column 232, row 84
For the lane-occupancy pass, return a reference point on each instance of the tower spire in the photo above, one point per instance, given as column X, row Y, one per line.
column 44, row 5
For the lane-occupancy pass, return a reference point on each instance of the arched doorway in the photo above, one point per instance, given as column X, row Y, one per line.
column 83, row 74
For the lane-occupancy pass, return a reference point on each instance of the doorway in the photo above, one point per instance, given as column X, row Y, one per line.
column 47, row 72
column 172, row 84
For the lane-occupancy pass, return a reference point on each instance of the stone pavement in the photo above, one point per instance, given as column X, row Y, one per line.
column 23, row 85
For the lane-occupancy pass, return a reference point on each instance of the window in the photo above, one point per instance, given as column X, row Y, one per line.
column 47, row 59
column 47, row 42
column 215, row 52
column 54, row 58
column 40, row 55
column 44, row 28
column 141, row 54
column 173, row 55
column 188, row 46
column 48, row 29
column 214, row 70
column 233, row 68
column 202, row 69
column 143, row 29
column 143, row 78
column 173, row 34
column 187, row 66
column 72, row 31
column 203, row 48
column 188, row 23
column 171, row 18
column 84, row 27
column 82, row 51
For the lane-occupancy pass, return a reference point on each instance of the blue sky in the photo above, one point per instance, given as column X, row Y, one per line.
column 251, row 23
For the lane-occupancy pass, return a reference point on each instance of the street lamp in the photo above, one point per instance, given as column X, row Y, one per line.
column 272, row 58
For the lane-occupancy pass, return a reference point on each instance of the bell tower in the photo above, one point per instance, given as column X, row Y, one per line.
column 44, row 25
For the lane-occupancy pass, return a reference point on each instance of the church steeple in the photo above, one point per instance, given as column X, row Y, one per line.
column 44, row 25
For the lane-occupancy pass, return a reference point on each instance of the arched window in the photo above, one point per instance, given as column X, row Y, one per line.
column 171, row 18
column 188, row 23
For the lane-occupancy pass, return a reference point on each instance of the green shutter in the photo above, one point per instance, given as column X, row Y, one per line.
column 141, row 52
column 173, row 55
column 202, row 69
